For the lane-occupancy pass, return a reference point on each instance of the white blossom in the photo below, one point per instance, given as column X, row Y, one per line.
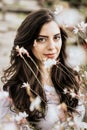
column 65, row 91
column 21, row 51
column 77, row 68
column 49, row 63
column 58, row 10
column 82, row 26
column 73, row 94
column 20, row 116
column 35, row 104
column 25, row 85
column 75, row 30
column 71, row 123
column 81, row 30
column 23, row 114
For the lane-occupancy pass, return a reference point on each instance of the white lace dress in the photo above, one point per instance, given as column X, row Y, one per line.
column 52, row 115
column 52, row 112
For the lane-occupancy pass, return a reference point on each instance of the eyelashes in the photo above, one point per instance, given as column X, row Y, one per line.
column 41, row 39
column 55, row 38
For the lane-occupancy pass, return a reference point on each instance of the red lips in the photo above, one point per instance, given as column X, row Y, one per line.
column 52, row 55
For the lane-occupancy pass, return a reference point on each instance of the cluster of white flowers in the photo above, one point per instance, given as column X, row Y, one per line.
column 58, row 9
column 71, row 92
column 19, row 117
column 64, row 121
column 81, row 30
column 60, row 126
column 80, row 27
column 49, row 63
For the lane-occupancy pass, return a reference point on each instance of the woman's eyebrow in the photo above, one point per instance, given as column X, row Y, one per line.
column 48, row 36
column 42, row 36
column 57, row 34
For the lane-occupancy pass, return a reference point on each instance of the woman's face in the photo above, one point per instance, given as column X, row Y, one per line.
column 48, row 43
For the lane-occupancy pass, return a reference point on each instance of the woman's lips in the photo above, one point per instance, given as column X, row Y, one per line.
column 50, row 55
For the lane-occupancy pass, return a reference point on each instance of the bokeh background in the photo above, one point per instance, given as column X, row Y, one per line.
column 13, row 12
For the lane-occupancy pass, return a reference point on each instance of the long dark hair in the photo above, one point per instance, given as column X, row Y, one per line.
column 62, row 76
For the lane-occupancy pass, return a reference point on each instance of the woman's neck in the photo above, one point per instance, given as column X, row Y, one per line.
column 46, row 76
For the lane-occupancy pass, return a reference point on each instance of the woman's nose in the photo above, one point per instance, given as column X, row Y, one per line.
column 51, row 44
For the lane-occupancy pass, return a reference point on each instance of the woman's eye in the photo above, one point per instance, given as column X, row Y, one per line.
column 41, row 40
column 57, row 37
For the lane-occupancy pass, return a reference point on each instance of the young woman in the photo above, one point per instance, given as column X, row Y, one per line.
column 40, row 91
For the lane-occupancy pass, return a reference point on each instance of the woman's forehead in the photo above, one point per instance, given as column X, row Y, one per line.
column 49, row 28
